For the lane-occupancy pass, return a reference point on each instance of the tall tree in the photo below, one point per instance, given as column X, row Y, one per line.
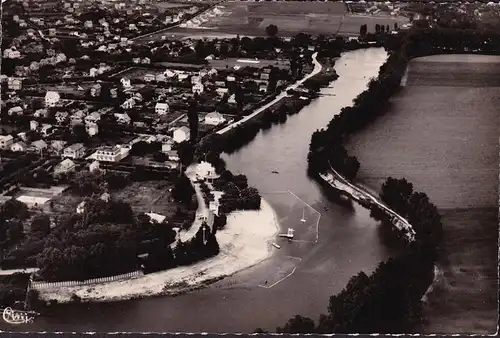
column 193, row 121
column 272, row 30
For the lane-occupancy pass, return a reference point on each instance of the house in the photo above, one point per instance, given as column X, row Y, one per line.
column 77, row 118
column 155, row 218
column 212, row 72
column 65, row 166
column 173, row 155
column 93, row 117
column 52, row 31
column 52, row 98
column 15, row 111
column 146, row 61
column 149, row 77
column 80, row 209
column 160, row 78
column 232, row 99
column 23, row 136
column 57, row 146
column 161, row 108
column 122, row 118
column 110, row 154
column 222, row 91
column 125, row 83
column 6, row 141
column 195, row 79
column 34, row 125
column 61, row 117
column 181, row 134
column 198, row 88
column 94, row 166
column 41, row 113
column 19, row 147
column 88, row 24
column 11, row 53
column 95, row 90
column 220, row 84
column 230, row 78
column 264, row 76
column 76, row 150
column 128, row 104
column 15, row 83
column 92, row 129
column 214, row 119
column 38, row 146
column 167, row 145
column 136, row 60
column 46, row 129
column 168, row 73
column 105, row 197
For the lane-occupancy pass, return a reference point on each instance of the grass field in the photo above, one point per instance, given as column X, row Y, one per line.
column 231, row 62
column 148, row 196
column 251, row 18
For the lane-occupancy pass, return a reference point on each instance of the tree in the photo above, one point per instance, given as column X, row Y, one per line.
column 192, row 115
column 272, row 30
column 298, row 324
column 40, row 225
column 183, row 190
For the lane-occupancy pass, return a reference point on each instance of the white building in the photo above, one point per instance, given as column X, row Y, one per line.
column 6, row 141
column 19, row 147
column 125, row 83
column 198, row 88
column 65, row 166
column 161, row 108
column 181, row 134
column 46, row 129
column 15, row 111
column 10, row 53
column 15, row 83
column 149, row 77
column 52, row 98
column 167, row 145
column 110, row 154
column 214, row 119
column 76, row 150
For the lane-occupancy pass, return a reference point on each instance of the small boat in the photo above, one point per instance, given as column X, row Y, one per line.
column 276, row 246
column 275, row 172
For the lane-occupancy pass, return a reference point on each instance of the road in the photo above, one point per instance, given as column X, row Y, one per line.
column 361, row 194
column 316, row 70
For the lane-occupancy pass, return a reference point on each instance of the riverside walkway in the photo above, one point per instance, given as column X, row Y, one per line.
column 339, row 182
column 316, row 70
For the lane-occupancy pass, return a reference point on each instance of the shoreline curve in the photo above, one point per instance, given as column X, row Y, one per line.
column 245, row 242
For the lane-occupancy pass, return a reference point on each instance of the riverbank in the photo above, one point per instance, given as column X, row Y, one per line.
column 245, row 241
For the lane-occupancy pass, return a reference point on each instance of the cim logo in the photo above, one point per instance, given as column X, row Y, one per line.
column 12, row 316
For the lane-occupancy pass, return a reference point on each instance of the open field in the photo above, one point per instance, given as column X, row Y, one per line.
column 441, row 133
column 231, row 62
column 148, row 196
column 252, row 18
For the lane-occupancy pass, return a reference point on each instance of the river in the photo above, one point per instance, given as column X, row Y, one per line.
column 348, row 240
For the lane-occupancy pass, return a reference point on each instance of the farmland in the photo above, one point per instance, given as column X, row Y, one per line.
column 251, row 18
column 441, row 133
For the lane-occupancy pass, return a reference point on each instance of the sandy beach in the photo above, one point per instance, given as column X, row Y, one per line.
column 245, row 241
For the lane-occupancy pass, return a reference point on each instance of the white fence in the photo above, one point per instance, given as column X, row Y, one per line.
column 47, row 285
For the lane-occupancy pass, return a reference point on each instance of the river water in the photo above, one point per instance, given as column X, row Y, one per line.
column 348, row 239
